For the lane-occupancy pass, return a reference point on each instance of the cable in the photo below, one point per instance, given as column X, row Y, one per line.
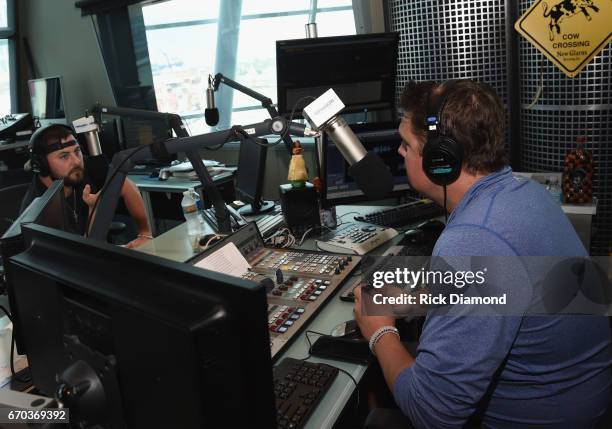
column 348, row 213
column 540, row 88
column 233, row 132
column 216, row 237
column 12, row 354
column 339, row 369
column 304, row 235
column 283, row 135
column 445, row 210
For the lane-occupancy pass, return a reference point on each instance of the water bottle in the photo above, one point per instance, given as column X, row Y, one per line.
column 199, row 206
column 190, row 211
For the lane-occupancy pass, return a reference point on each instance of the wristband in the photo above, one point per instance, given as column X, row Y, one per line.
column 150, row 237
column 379, row 334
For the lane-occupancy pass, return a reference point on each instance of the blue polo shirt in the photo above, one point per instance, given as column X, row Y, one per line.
column 508, row 371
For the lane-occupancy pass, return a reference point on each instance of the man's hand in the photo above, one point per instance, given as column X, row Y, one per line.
column 368, row 324
column 138, row 241
column 89, row 198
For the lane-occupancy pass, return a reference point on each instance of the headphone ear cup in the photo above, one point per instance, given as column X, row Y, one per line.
column 442, row 160
column 38, row 161
column 39, row 165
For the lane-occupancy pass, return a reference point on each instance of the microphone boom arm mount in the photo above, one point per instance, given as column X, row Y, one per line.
column 175, row 122
column 124, row 161
column 266, row 102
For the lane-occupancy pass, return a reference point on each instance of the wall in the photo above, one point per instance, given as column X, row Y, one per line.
column 62, row 43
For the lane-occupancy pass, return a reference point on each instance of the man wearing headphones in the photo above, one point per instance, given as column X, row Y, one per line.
column 55, row 154
column 510, row 371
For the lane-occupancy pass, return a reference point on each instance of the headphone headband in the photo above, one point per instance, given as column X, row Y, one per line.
column 39, row 148
column 442, row 155
column 434, row 111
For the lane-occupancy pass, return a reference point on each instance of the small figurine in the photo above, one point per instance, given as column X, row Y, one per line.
column 297, row 168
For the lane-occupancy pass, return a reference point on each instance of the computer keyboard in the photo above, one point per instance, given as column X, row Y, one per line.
column 270, row 222
column 404, row 214
column 236, row 220
column 298, row 388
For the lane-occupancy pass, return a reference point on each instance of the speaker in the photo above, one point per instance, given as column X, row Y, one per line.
column 39, row 151
column 442, row 155
column 300, row 207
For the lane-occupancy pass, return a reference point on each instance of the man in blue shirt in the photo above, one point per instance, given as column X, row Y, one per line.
column 510, row 371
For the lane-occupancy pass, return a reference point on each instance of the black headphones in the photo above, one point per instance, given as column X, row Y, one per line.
column 39, row 149
column 442, row 155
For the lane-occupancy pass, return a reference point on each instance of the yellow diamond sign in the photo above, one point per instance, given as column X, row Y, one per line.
column 569, row 32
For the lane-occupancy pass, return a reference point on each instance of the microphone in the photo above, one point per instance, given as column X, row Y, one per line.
column 96, row 164
column 89, row 129
column 323, row 114
column 211, row 113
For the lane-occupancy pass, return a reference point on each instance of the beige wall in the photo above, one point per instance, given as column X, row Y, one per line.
column 62, row 44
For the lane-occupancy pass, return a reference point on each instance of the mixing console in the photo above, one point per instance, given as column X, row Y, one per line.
column 298, row 282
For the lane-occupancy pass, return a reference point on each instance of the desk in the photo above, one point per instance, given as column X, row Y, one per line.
column 175, row 245
column 173, row 185
column 15, row 145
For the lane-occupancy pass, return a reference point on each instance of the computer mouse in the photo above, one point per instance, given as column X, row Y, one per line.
column 164, row 175
column 424, row 233
column 413, row 237
column 346, row 329
column 432, row 227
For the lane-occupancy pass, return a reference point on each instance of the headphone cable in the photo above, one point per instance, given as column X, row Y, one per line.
column 445, row 209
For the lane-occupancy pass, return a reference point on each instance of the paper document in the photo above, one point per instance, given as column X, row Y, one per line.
column 226, row 260
column 186, row 166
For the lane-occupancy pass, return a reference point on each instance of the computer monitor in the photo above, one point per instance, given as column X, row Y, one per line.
column 161, row 344
column 382, row 138
column 361, row 69
column 47, row 210
column 250, row 177
column 124, row 132
column 47, row 98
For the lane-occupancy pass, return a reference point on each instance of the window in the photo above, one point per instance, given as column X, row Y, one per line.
column 182, row 38
column 7, row 55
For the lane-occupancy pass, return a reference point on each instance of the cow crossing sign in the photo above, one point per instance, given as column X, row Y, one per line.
column 569, row 32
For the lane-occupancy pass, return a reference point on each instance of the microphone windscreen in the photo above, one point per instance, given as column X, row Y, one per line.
column 96, row 167
column 372, row 176
column 211, row 116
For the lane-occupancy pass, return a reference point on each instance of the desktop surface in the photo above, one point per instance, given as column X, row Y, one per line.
column 175, row 245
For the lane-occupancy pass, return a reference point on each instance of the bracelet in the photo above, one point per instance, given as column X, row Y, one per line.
column 379, row 334
column 150, row 237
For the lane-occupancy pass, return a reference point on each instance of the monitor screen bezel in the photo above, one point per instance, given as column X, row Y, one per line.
column 42, row 267
column 62, row 96
column 312, row 43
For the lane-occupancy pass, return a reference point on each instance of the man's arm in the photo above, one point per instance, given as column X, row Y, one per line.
column 392, row 356
column 459, row 352
column 135, row 205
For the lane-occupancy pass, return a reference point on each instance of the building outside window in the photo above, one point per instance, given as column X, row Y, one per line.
column 7, row 32
column 185, row 46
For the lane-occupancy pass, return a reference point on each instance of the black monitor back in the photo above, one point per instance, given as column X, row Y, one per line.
column 250, row 172
column 361, row 69
column 191, row 347
column 46, row 97
column 49, row 210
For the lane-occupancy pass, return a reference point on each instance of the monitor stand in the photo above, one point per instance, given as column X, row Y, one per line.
column 256, row 208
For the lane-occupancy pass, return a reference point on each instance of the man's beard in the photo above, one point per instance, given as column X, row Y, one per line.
column 74, row 178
